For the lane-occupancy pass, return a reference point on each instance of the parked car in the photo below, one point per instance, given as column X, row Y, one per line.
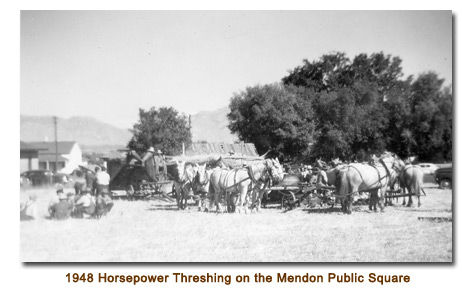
column 38, row 177
column 443, row 177
column 62, row 179
column 428, row 168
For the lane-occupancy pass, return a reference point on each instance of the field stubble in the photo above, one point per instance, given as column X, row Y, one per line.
column 141, row 231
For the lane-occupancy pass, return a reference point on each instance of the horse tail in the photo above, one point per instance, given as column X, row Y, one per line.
column 417, row 180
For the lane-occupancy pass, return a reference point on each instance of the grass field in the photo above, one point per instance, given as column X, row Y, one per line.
column 157, row 232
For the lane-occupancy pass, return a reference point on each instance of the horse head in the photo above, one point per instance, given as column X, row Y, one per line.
column 202, row 175
column 179, row 171
column 275, row 169
column 321, row 164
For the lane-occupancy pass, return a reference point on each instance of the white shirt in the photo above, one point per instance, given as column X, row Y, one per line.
column 102, row 178
column 85, row 200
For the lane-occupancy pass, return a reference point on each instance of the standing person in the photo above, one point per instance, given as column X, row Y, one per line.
column 309, row 173
column 29, row 210
column 90, row 179
column 303, row 174
column 63, row 209
column 160, row 164
column 80, row 183
column 102, row 180
column 148, row 163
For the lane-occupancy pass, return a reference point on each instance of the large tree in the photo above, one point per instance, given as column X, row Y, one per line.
column 431, row 118
column 162, row 128
column 337, row 107
column 274, row 118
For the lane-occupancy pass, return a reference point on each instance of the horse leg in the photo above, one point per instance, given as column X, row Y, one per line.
column 409, row 202
column 373, row 201
column 242, row 198
column 350, row 203
column 381, row 198
column 217, row 197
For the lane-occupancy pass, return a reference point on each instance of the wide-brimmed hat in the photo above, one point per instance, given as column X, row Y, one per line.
column 309, row 167
column 151, row 149
column 159, row 151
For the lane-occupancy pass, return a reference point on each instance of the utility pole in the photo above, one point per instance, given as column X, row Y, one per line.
column 55, row 119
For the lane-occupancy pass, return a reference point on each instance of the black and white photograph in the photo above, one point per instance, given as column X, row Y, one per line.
column 236, row 136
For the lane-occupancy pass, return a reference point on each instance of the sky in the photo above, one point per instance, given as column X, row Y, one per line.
column 108, row 64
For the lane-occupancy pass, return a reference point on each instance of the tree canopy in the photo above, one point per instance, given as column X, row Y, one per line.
column 337, row 107
column 163, row 129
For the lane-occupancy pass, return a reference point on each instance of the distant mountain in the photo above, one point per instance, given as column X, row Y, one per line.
column 94, row 135
column 212, row 126
column 87, row 131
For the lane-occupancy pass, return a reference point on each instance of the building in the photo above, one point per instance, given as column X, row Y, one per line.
column 69, row 156
column 29, row 157
column 239, row 149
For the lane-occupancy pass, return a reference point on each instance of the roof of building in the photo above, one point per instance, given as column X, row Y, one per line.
column 241, row 149
column 64, row 147
column 52, row 157
column 28, row 147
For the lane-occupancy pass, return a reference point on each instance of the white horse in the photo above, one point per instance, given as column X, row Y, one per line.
column 236, row 182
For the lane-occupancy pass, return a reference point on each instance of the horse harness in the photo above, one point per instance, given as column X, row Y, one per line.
column 251, row 176
column 388, row 174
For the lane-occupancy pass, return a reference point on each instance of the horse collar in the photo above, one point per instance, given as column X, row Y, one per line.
column 386, row 167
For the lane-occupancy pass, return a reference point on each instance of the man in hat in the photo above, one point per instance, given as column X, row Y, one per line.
column 63, row 209
column 160, row 164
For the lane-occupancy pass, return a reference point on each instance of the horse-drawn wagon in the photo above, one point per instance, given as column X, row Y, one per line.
column 131, row 179
column 294, row 193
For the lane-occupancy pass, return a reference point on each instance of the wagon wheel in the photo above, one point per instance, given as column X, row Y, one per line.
column 286, row 202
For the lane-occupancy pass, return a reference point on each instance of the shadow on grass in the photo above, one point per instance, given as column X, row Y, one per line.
column 163, row 207
column 323, row 210
column 414, row 209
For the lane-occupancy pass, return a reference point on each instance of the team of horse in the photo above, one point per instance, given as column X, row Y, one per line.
column 374, row 177
column 240, row 189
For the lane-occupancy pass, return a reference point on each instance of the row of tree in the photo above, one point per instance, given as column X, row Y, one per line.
column 337, row 107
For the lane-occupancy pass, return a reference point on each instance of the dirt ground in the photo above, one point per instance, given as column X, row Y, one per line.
column 154, row 231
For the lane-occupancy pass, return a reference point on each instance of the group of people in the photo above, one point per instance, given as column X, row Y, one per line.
column 95, row 182
column 82, row 205
column 155, row 164
column 91, row 198
column 306, row 173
